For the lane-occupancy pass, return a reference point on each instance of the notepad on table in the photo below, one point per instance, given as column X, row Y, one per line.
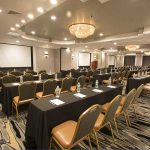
column 111, row 86
column 97, row 90
column 79, row 95
column 57, row 102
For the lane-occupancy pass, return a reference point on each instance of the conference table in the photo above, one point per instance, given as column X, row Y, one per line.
column 101, row 77
column 35, row 77
column 10, row 90
column 43, row 115
column 136, row 82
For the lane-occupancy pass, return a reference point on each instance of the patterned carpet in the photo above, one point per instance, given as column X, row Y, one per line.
column 136, row 137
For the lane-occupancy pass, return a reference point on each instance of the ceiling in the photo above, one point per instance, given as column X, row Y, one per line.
column 121, row 21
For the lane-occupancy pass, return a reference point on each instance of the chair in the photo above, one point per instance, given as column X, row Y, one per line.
column 16, row 73
column 42, row 71
column 2, row 74
column 146, row 90
column 66, row 84
column 44, row 76
column 49, row 87
column 107, row 118
column 9, row 79
column 80, row 80
column 113, row 75
column 26, row 94
column 89, row 76
column 137, row 95
column 70, row 133
column 27, row 77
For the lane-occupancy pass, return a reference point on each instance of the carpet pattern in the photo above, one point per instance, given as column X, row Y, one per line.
column 136, row 137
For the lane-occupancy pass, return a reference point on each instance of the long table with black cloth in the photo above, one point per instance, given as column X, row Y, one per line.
column 43, row 116
column 136, row 82
column 10, row 90
column 101, row 77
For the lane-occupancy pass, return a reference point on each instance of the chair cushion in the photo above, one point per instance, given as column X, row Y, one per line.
column 64, row 133
column 119, row 109
column 146, row 87
column 123, row 100
column 105, row 107
column 16, row 100
column 105, row 81
column 39, row 95
column 99, row 122
column 73, row 88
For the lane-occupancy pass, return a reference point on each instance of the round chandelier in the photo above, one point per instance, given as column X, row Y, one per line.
column 132, row 47
column 82, row 30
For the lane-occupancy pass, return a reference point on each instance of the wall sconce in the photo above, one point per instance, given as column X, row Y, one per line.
column 72, row 56
column 46, row 54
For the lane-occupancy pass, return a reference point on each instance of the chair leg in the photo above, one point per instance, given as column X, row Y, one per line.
column 116, row 126
column 12, row 109
column 16, row 107
column 112, row 131
column 89, row 142
column 51, row 143
column 126, row 119
column 97, row 143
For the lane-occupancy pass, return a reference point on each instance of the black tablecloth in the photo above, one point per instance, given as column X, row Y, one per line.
column 101, row 77
column 43, row 115
column 10, row 90
column 79, row 73
column 136, row 82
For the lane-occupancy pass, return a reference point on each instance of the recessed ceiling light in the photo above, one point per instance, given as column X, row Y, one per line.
column 101, row 34
column 1, row 10
column 23, row 21
column 30, row 16
column 115, row 43
column 40, row 9
column 65, row 39
column 33, row 32
column 86, row 46
column 12, row 29
column 17, row 25
column 17, row 41
column 54, row 2
column 68, row 50
column 53, row 17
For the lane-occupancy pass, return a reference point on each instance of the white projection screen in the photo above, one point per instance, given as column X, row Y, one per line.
column 15, row 56
column 84, row 59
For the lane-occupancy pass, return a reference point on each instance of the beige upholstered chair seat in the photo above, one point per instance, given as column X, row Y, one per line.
column 64, row 133
column 73, row 88
column 105, row 81
column 40, row 95
column 16, row 100
column 99, row 121
column 147, row 87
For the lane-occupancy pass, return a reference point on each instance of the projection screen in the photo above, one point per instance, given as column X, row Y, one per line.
column 15, row 56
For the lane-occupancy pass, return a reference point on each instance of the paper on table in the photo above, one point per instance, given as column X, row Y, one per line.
column 111, row 86
column 37, row 81
column 16, row 83
column 57, row 102
column 97, row 90
column 79, row 95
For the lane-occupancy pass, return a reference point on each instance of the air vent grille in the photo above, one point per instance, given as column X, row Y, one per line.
column 12, row 12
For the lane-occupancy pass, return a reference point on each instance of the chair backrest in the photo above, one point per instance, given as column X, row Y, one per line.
column 42, row 71
column 81, row 80
column 86, row 122
column 66, row 84
column 44, row 76
column 129, row 98
column 15, row 73
column 27, row 91
column 89, row 73
column 138, row 92
column 2, row 74
column 49, row 87
column 109, row 115
column 9, row 79
column 27, row 77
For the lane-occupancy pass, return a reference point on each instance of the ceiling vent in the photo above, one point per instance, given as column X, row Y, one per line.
column 83, row 1
column 12, row 12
